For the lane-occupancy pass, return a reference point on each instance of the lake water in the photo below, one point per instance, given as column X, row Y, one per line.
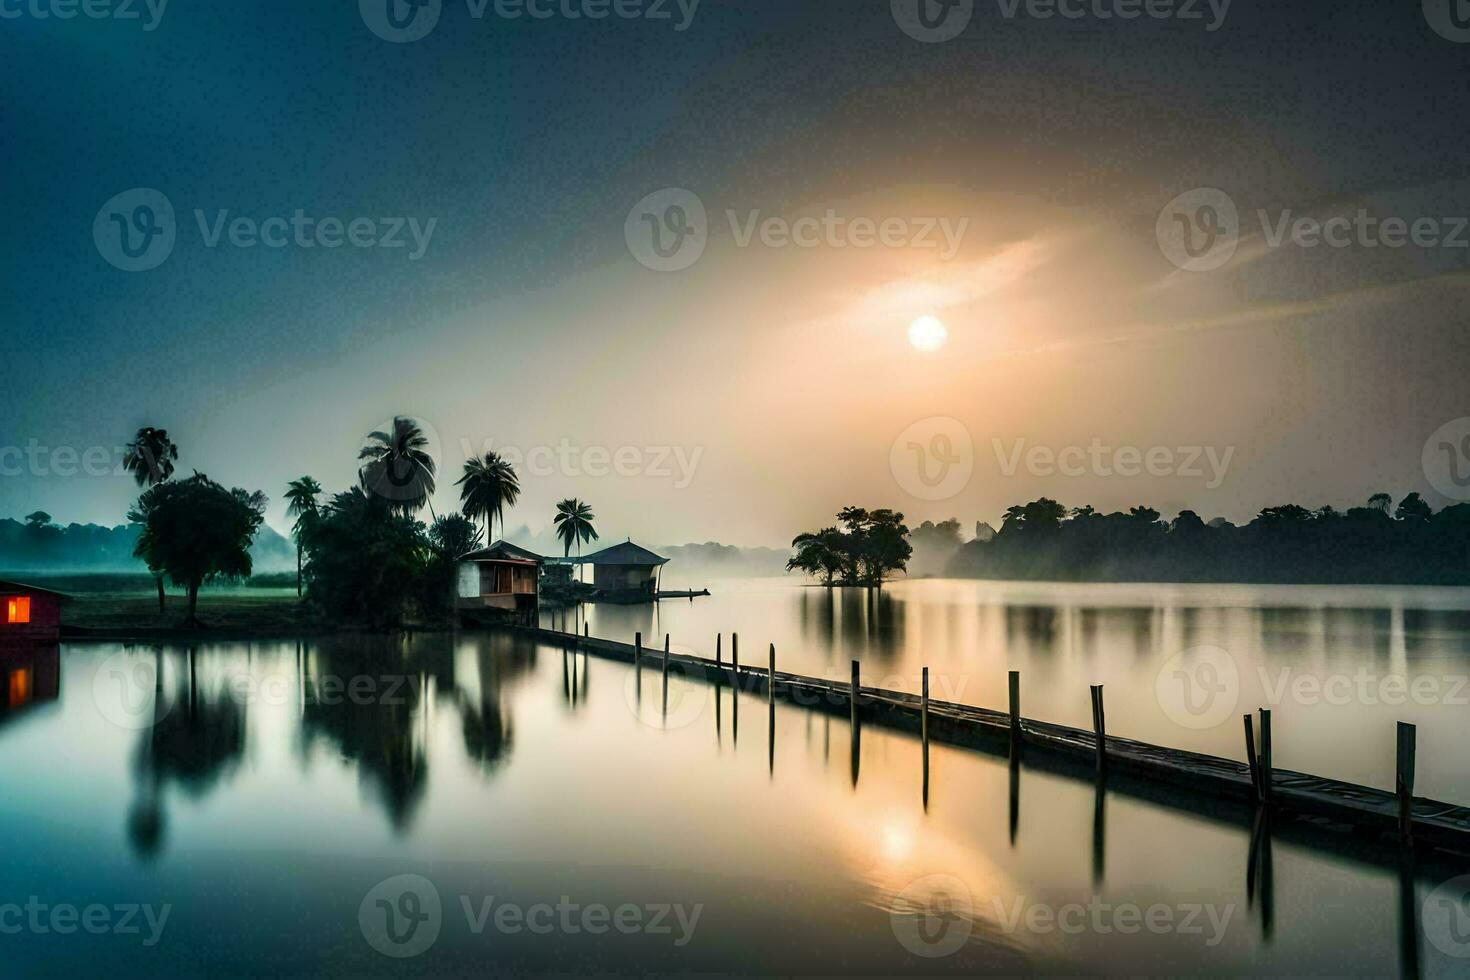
column 447, row 805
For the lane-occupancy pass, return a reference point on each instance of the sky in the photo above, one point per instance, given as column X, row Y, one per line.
column 754, row 372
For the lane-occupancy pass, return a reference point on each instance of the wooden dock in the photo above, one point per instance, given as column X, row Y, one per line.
column 1202, row 784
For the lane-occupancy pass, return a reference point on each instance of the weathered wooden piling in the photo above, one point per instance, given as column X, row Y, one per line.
column 735, row 660
column 1100, row 729
column 1252, row 761
column 852, row 695
column 1015, row 698
column 666, row 655
column 1265, row 766
column 718, row 656
column 771, row 679
column 1404, row 779
column 924, row 717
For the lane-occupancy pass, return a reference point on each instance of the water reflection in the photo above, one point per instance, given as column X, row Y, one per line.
column 30, row 678
column 196, row 739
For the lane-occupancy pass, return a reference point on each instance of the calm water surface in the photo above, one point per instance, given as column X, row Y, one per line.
column 264, row 794
column 1337, row 666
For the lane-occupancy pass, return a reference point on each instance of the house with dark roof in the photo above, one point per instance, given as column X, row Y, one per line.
column 29, row 615
column 501, row 581
column 625, row 572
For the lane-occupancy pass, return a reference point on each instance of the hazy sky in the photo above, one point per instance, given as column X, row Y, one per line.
column 752, row 394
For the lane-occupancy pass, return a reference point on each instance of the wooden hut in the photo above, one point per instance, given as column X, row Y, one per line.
column 500, row 582
column 29, row 615
column 625, row 572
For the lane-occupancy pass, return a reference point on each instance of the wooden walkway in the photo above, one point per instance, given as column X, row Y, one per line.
column 1130, row 765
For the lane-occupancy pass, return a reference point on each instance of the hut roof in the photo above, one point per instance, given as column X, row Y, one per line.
column 15, row 588
column 502, row 551
column 626, row 553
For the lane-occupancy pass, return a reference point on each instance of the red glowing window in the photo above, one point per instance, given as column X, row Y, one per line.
column 18, row 609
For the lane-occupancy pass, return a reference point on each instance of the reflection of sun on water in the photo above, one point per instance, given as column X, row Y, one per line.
column 927, row 333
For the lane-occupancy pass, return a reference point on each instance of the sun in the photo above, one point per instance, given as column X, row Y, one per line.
column 927, row 333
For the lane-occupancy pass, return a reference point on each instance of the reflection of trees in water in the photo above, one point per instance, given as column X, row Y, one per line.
column 196, row 740
column 487, row 726
column 855, row 622
column 365, row 696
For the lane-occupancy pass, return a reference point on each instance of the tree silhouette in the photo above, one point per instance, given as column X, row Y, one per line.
column 488, row 486
column 398, row 467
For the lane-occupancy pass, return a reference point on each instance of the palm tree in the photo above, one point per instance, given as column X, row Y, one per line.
column 302, row 494
column 150, row 458
column 574, row 525
column 488, row 485
column 399, row 467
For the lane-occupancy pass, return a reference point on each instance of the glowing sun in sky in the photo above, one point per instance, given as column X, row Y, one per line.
column 928, row 333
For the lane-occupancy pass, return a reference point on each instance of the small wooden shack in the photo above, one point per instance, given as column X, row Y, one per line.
column 29, row 615
column 625, row 572
column 500, row 582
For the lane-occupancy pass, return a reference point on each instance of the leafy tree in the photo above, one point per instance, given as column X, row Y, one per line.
column 454, row 535
column 195, row 531
column 869, row 546
column 150, row 458
column 1413, row 508
column 398, row 467
column 301, row 494
column 365, row 560
column 488, row 485
column 821, row 553
column 38, row 519
column 1380, row 501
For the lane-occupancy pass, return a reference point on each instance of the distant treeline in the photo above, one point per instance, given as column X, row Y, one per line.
column 1374, row 544
column 38, row 544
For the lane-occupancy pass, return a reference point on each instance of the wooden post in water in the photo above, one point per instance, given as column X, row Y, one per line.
column 718, row 655
column 1100, row 730
column 924, row 735
column 852, row 696
column 1252, row 760
column 924, row 716
column 735, row 660
column 1404, row 779
column 666, row 655
column 771, row 678
column 1015, row 692
column 1265, row 767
